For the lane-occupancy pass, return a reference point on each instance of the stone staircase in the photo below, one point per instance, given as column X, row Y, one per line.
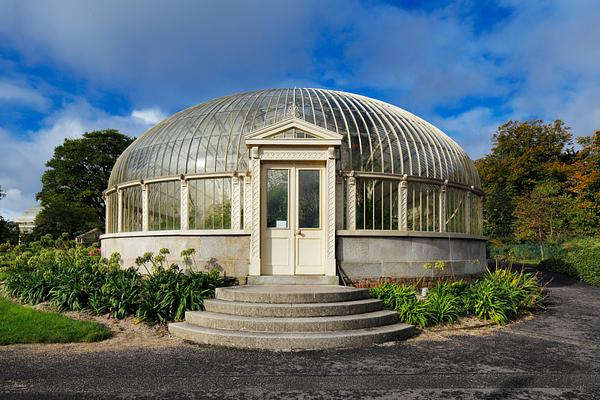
column 291, row 317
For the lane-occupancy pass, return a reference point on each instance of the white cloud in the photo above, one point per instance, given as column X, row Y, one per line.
column 418, row 59
column 179, row 52
column 541, row 62
column 22, row 161
column 553, row 48
column 11, row 205
column 472, row 129
column 149, row 115
column 11, row 92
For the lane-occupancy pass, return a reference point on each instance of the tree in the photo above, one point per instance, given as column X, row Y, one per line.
column 498, row 215
column 584, row 182
column 543, row 214
column 72, row 185
column 61, row 217
column 9, row 231
column 523, row 155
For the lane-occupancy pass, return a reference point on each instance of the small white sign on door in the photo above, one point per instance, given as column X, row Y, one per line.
column 281, row 224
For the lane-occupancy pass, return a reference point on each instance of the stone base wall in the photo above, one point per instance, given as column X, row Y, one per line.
column 229, row 253
column 366, row 261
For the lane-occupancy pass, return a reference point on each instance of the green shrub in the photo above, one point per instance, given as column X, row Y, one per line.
column 579, row 258
column 119, row 293
column 77, row 278
column 499, row 295
column 168, row 293
column 505, row 294
column 444, row 304
column 403, row 299
column 416, row 313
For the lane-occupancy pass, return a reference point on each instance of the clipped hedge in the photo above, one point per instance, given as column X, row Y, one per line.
column 578, row 258
column 500, row 295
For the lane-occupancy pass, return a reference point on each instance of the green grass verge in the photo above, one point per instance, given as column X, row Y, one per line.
column 19, row 324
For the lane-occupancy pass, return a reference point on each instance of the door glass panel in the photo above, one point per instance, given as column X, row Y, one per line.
column 277, row 198
column 309, row 198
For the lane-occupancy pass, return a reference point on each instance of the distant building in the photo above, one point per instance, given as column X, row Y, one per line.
column 90, row 237
column 26, row 221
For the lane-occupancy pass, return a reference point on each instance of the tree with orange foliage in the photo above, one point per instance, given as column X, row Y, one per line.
column 584, row 182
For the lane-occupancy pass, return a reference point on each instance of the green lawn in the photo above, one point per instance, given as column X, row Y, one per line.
column 19, row 324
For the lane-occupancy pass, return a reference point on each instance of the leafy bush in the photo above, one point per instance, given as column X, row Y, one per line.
column 500, row 296
column 168, row 293
column 404, row 300
column 578, row 258
column 504, row 294
column 444, row 303
column 77, row 278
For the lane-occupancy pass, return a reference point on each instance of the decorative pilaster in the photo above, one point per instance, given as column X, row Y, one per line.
column 479, row 215
column 144, row 206
column 443, row 196
column 248, row 201
column 183, row 208
column 255, row 238
column 468, row 212
column 330, row 267
column 119, row 210
column 351, row 202
column 339, row 202
column 107, row 227
column 403, row 205
column 235, row 202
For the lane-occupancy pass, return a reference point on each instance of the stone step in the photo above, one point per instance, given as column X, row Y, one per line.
column 230, row 322
column 293, row 280
column 292, row 310
column 292, row 341
column 279, row 294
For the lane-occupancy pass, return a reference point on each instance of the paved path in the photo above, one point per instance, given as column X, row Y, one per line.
column 556, row 355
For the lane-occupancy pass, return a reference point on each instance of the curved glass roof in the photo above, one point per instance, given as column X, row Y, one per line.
column 377, row 137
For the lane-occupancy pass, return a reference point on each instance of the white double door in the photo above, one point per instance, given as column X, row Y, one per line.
column 293, row 212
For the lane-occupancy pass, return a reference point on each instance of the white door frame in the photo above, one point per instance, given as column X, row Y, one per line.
column 265, row 146
column 288, row 243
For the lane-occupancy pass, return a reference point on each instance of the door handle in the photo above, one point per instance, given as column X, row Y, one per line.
column 298, row 232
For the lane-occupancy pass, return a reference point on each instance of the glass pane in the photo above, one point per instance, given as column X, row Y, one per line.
column 277, row 198
column 309, row 198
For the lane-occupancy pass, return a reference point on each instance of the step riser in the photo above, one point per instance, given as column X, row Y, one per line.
column 292, row 310
column 304, row 342
column 292, row 317
column 290, row 297
column 293, row 280
column 220, row 321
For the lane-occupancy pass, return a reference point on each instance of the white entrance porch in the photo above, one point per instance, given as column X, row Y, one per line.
column 292, row 202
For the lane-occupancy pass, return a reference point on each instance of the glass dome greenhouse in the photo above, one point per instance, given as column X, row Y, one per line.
column 389, row 172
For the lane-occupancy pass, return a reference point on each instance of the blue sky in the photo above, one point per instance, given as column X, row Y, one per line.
column 67, row 67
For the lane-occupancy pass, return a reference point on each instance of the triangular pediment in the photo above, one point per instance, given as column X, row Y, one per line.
column 293, row 131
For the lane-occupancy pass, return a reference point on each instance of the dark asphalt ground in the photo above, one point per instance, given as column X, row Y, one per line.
column 556, row 355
